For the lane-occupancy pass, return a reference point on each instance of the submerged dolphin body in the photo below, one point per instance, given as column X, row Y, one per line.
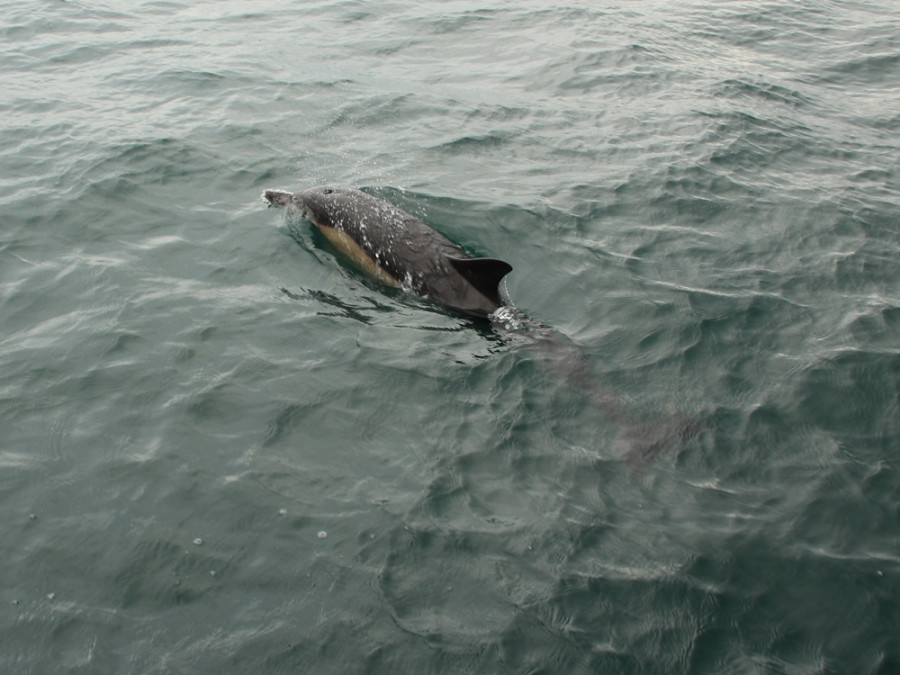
column 399, row 249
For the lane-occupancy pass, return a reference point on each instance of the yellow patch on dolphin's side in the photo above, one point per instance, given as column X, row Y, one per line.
column 346, row 245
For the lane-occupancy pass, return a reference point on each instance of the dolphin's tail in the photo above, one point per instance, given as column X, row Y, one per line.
column 641, row 443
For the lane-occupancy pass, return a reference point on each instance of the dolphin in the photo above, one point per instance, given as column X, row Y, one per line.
column 402, row 251
column 399, row 249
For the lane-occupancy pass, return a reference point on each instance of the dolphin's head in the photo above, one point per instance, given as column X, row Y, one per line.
column 328, row 206
column 325, row 206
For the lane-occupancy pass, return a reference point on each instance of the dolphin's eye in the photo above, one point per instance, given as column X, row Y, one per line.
column 327, row 191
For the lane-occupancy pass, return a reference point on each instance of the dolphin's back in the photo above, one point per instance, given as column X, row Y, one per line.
column 408, row 250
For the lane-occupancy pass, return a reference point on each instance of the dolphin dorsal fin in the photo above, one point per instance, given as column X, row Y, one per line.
column 485, row 274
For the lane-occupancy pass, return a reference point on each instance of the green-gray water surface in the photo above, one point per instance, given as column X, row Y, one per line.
column 223, row 450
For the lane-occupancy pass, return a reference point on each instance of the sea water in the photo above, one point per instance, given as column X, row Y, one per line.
column 223, row 449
